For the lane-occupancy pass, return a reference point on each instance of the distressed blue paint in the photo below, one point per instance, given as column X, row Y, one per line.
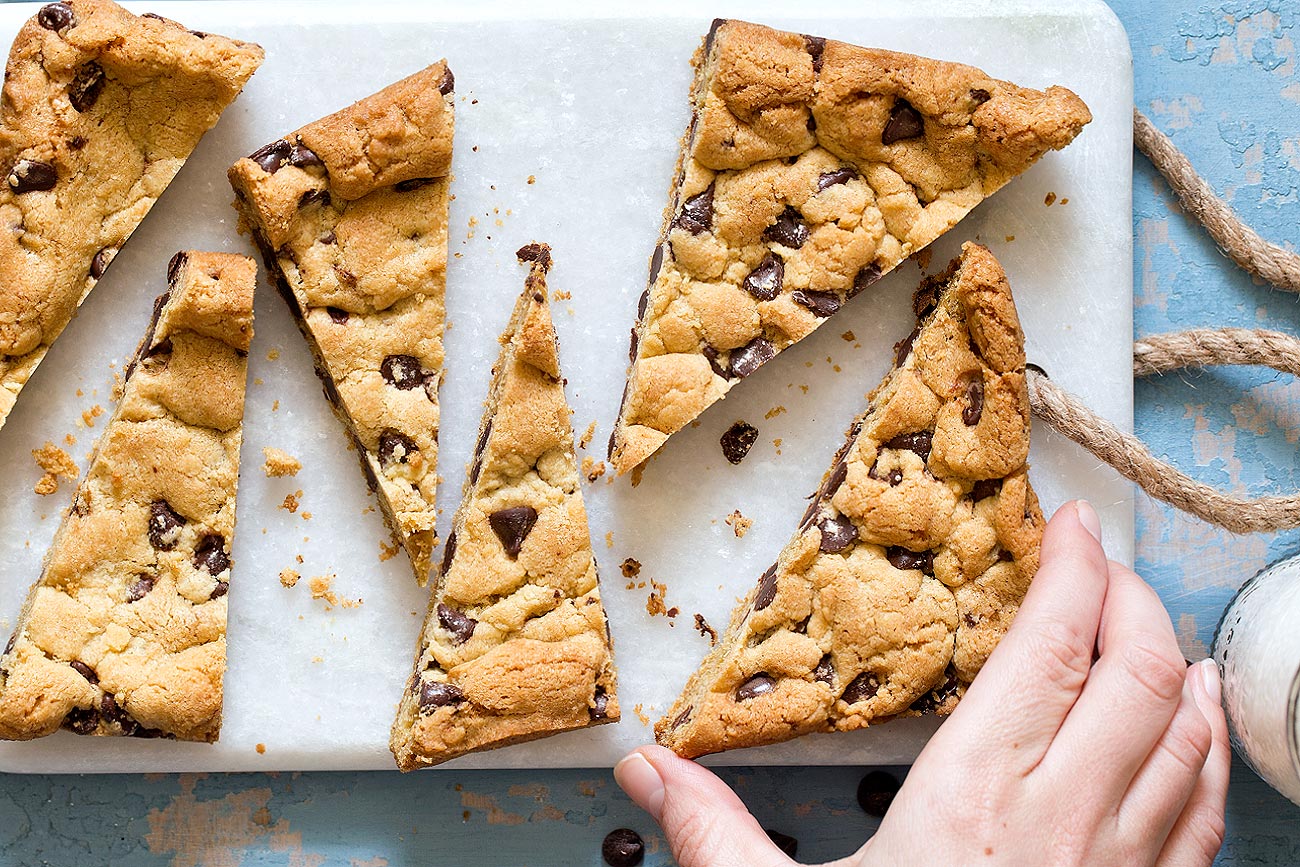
column 1214, row 79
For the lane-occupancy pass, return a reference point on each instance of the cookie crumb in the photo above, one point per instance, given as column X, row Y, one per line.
column 1010, row 238
column 261, row 749
column 1049, row 198
column 289, row 578
column 641, row 714
column 532, row 179
column 279, row 463
column 559, row 295
column 1064, row 200
column 55, row 462
column 70, row 439
column 272, row 354
column 655, row 604
column 631, row 568
column 706, row 631
column 922, row 258
column 275, row 407
column 636, row 475
column 387, row 552
column 587, row 435
column 774, row 412
column 848, row 336
column 738, row 440
column 291, row 502
column 592, row 469
column 739, row 523
column 609, row 539
column 88, row 417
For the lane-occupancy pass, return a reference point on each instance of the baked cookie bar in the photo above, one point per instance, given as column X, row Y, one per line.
column 350, row 214
column 913, row 557
column 101, row 108
column 125, row 632
column 515, row 646
column 810, row 169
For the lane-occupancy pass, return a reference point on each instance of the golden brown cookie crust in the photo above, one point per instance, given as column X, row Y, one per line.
column 350, row 215
column 101, row 108
column 516, row 646
column 912, row 559
column 811, row 168
column 124, row 633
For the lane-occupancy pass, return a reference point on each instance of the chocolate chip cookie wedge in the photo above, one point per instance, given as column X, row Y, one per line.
column 515, row 646
column 810, row 169
column 125, row 632
column 913, row 556
column 101, row 109
column 350, row 215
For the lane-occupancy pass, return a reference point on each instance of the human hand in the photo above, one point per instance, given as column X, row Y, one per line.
column 1084, row 740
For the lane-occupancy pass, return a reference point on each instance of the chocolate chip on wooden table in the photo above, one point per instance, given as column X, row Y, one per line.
column 32, row 176
column 164, row 525
column 766, row 589
column 140, row 588
column 784, row 842
column 822, row 304
column 434, row 694
column 789, row 230
column 876, row 792
column 905, row 122
column 56, row 16
column 842, row 175
column 273, row 156
column 765, row 281
column 738, row 440
column 901, row 558
column 622, row 847
column 862, row 687
column 460, row 625
column 395, row 447
column 512, row 527
column 210, row 555
column 752, row 356
column 759, row 684
column 838, row 534
column 696, row 215
column 86, row 86
column 403, row 372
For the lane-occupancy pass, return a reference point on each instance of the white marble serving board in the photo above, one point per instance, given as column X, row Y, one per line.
column 592, row 108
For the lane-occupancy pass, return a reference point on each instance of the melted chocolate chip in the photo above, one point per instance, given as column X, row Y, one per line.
column 32, row 176
column 449, row 552
column 210, row 554
column 980, row 96
column 164, row 525
column 838, row 534
column 784, row 842
column 338, row 315
column 752, row 356
column 81, row 720
column 920, row 442
column 738, row 440
column 434, row 694
column 460, row 625
column 395, row 447
column 842, row 175
column 622, row 847
column 301, row 156
column 512, row 527
column 876, row 792
column 9, row 645
column 174, row 267
column 684, row 717
column 403, row 372
column 447, row 83
column 825, row 670
column 102, row 260
column 903, row 348
column 765, row 281
column 937, row 697
column 632, row 345
column 84, row 670
column 56, row 16
column 483, row 438
column 759, row 684
column 86, row 86
column 656, row 263
column 311, row 197
column 867, row 276
column 862, row 687
column 822, row 304
column 902, row 558
column 895, row 477
column 789, row 230
column 839, row 473
column 412, row 184
column 110, row 711
column 140, row 588
column 985, row 488
column 697, row 213
column 766, row 589
column 273, row 156
column 816, row 46
column 599, row 704
column 970, row 414
column 904, row 122
column 712, row 355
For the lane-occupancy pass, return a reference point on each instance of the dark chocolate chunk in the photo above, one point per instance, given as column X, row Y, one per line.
column 329, row 238
column 102, row 260
column 56, row 16
column 822, row 304
column 483, row 438
column 862, row 687
column 825, row 670
column 222, row 588
column 867, row 276
column 759, row 684
column 174, row 270
column 838, row 474
column 86, row 86
column 395, row 447
column 738, row 440
column 460, row 625
column 210, row 554
column 447, row 83
column 413, row 184
column 752, row 356
column 403, row 372
column 980, row 95
column 716, row 366
column 838, row 534
column 937, row 697
column 970, row 414
column 338, row 315
column 656, row 263
column 301, row 156
column 622, row 847
column 84, row 670
column 876, row 792
column 985, row 488
column 789, row 230
column 642, row 303
column 765, row 281
column 434, row 694
column 535, row 252
column 449, row 552
column 901, row 558
column 77, row 142
column 842, row 175
column 684, row 717
column 9, row 645
column 632, row 345
column 599, row 704
column 903, row 348
column 895, row 477
column 512, row 527
column 697, row 213
column 766, row 589
column 109, row 709
column 140, row 588
column 81, row 720
column 164, row 525
column 816, row 46
column 311, row 197
column 273, row 156
column 920, row 442
column 904, row 122
column 784, row 842
column 32, row 176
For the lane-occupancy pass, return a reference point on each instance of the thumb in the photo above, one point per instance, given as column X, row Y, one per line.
column 706, row 824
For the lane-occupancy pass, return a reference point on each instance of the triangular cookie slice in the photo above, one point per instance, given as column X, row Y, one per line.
column 125, row 632
column 515, row 646
column 914, row 555
column 350, row 214
column 101, row 109
column 810, row 169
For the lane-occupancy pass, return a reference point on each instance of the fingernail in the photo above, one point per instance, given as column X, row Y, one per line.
column 642, row 782
column 1207, row 674
column 1088, row 518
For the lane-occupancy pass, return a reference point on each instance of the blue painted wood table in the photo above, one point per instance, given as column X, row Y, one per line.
column 1221, row 79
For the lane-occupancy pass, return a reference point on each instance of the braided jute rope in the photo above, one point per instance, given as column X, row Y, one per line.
column 1238, row 241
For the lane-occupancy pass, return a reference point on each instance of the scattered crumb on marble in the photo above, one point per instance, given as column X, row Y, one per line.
column 275, row 407
column 272, row 354
column 257, row 380
column 561, row 296
column 848, row 336
column 587, row 435
column 291, row 502
column 80, row 393
column 532, row 179
column 70, row 439
column 631, row 567
column 739, row 523
column 289, row 577
column 387, row 552
column 261, row 749
column 774, row 412
column 1049, row 199
column 306, row 516
column 706, row 631
column 641, row 714
column 609, row 539
column 55, row 462
column 320, row 589
column 299, row 559
column 88, row 417
column 279, row 463
column 1010, row 238
column 592, row 469
column 655, row 603
column 1065, row 200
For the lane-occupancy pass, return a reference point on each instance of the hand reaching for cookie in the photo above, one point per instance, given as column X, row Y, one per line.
column 1095, row 744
